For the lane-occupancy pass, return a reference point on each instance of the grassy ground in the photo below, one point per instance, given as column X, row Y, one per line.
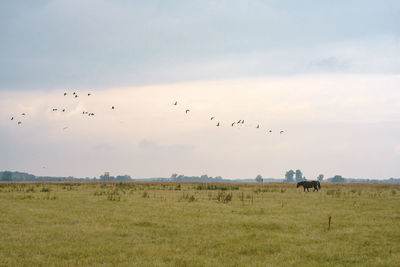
column 155, row 224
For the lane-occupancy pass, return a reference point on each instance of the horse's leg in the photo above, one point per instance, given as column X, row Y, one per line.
column 308, row 190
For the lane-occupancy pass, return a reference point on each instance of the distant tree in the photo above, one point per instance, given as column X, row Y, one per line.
column 204, row 177
column 259, row 179
column 289, row 176
column 123, row 178
column 320, row 177
column 219, row 178
column 174, row 175
column 180, row 178
column 299, row 176
column 337, row 179
column 7, row 176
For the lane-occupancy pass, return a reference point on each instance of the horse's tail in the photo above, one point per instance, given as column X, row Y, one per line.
column 319, row 185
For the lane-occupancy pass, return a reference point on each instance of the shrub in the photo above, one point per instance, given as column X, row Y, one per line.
column 45, row 189
column 223, row 197
column 30, row 189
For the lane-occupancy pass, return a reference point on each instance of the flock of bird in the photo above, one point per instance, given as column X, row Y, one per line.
column 187, row 110
column 74, row 95
column 239, row 122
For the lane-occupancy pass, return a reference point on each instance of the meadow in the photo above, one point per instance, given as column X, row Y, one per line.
column 194, row 224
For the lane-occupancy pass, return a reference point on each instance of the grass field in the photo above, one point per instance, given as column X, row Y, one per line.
column 168, row 224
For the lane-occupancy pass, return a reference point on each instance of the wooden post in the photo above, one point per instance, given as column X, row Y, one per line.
column 329, row 225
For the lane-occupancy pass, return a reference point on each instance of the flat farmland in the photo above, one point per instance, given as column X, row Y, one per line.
column 195, row 224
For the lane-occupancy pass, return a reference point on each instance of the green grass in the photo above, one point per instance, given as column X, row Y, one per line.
column 156, row 224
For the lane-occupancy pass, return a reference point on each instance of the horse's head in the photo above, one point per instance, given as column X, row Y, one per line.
column 298, row 184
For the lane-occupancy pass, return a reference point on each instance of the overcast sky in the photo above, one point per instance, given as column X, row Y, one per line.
column 325, row 72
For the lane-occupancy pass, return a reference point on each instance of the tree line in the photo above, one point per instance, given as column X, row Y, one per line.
column 291, row 176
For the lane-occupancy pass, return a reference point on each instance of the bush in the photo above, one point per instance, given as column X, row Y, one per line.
column 223, row 197
column 45, row 189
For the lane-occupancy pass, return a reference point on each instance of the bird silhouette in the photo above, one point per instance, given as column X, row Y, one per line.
column 12, row 118
column 218, row 124
column 187, row 111
column 54, row 109
column 212, row 118
column 65, row 94
column 270, row 131
column 239, row 121
column 281, row 132
column 74, row 93
column 89, row 94
column 19, row 122
column 242, row 121
column 233, row 123
column 176, row 103
column 65, row 128
column 112, row 107
column 258, row 126
column 63, row 110
column 23, row 114
column 76, row 96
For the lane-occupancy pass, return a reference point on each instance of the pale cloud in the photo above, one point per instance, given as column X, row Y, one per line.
column 333, row 124
column 397, row 149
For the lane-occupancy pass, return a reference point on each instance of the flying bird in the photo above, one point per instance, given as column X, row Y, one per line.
column 12, row 118
column 89, row 94
column 76, row 96
column 212, row 118
column 233, row 123
column 239, row 121
column 65, row 128
column 281, row 132
column 258, row 126
column 19, row 122
column 74, row 93
column 176, row 103
column 112, row 107
column 23, row 114
column 54, row 109
column 242, row 121
column 63, row 110
column 65, row 94
column 270, row 131
column 218, row 124
column 187, row 111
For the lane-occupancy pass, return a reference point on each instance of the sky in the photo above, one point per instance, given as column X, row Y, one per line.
column 327, row 73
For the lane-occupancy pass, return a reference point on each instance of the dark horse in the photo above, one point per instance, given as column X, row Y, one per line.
column 309, row 184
